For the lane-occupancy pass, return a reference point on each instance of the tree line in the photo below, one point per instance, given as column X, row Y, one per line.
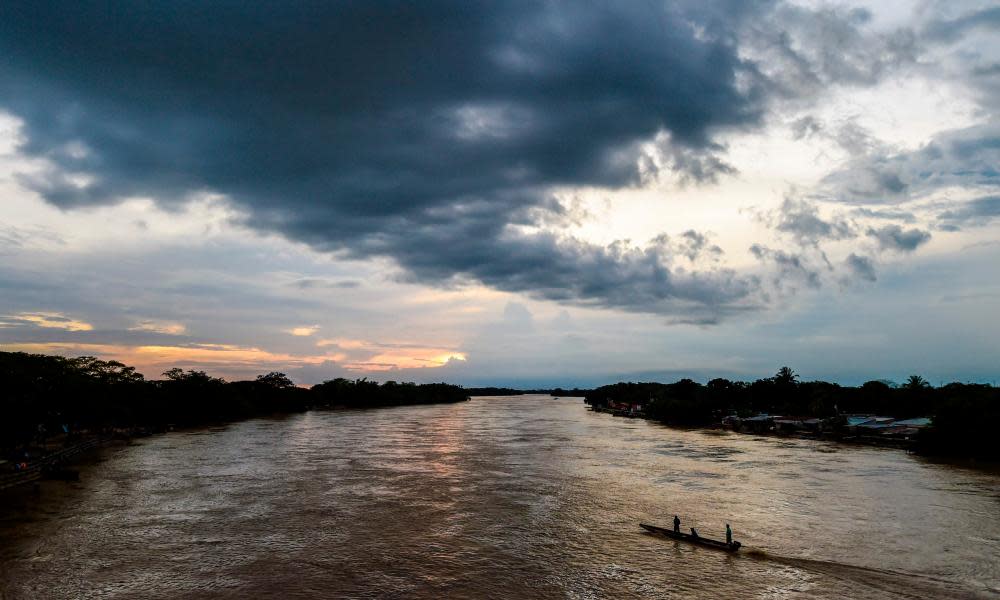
column 42, row 395
column 504, row 391
column 965, row 416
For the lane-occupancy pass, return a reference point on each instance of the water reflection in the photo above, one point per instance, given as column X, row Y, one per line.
column 515, row 497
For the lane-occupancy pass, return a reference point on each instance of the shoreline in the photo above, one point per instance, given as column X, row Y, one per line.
column 51, row 463
column 908, row 446
column 853, row 440
column 58, row 464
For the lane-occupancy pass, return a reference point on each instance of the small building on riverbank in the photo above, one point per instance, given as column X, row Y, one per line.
column 762, row 423
column 794, row 424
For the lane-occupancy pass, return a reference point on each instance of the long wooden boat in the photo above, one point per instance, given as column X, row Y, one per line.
column 697, row 540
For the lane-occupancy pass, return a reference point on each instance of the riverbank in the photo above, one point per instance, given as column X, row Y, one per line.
column 56, row 460
column 906, row 441
column 957, row 419
column 52, row 404
column 57, row 457
column 47, row 465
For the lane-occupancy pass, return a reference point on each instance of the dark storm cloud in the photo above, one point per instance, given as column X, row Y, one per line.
column 564, row 269
column 419, row 131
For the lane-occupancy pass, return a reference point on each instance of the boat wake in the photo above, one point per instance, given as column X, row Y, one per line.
column 906, row 585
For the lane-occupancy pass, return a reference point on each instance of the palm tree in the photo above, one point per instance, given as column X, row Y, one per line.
column 916, row 382
column 786, row 376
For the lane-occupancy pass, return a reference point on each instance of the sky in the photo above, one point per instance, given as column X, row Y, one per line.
column 527, row 193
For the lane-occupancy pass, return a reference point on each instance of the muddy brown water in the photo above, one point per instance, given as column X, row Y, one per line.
column 524, row 497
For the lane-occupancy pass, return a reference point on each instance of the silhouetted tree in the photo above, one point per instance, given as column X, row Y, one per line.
column 916, row 382
column 786, row 377
column 275, row 379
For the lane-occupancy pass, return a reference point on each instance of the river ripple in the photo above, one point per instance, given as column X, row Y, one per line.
column 526, row 497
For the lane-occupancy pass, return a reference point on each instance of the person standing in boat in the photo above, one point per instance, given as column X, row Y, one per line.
column 694, row 532
column 677, row 524
column 729, row 535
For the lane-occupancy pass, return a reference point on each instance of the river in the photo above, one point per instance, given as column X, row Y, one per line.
column 523, row 497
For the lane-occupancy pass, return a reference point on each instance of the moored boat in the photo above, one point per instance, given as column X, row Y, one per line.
column 692, row 539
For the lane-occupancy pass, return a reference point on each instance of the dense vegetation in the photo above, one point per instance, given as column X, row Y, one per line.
column 497, row 391
column 964, row 415
column 361, row 393
column 42, row 395
column 502, row 391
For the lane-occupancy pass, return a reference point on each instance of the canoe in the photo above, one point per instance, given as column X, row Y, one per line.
column 687, row 537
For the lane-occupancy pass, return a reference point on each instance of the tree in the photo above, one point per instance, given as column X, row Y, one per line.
column 110, row 372
column 191, row 377
column 719, row 384
column 916, row 382
column 276, row 380
column 175, row 374
column 786, row 376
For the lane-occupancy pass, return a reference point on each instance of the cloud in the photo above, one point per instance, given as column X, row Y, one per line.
column 802, row 51
column 849, row 135
column 976, row 212
column 887, row 214
column 370, row 356
column 50, row 320
column 304, row 331
column 427, row 133
column 950, row 30
column 861, row 267
column 695, row 245
column 164, row 327
column 690, row 165
column 343, row 343
column 13, row 238
column 152, row 360
column 373, row 110
column 791, row 266
column 894, row 237
column 233, row 360
column 965, row 158
column 413, row 358
column 308, row 283
column 802, row 220
column 517, row 316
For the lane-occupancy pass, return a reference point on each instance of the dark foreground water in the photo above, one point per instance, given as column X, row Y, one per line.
column 524, row 497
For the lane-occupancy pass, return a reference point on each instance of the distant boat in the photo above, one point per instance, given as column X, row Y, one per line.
column 687, row 537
